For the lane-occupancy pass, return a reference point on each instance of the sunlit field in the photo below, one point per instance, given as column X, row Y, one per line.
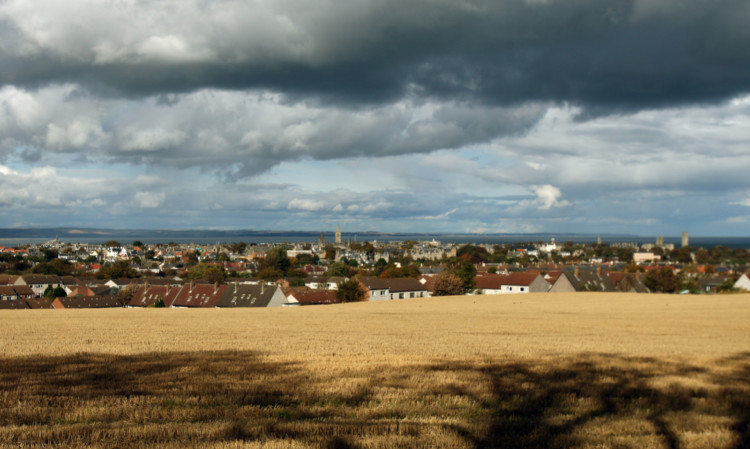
column 519, row 371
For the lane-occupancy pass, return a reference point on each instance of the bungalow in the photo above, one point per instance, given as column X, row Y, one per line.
column 6, row 279
column 199, row 295
column 39, row 282
column 248, row 295
column 520, row 282
column 628, row 282
column 395, row 288
column 307, row 297
column 428, row 280
column 148, row 295
column 119, row 283
column 39, row 303
column 320, row 282
column 743, row 283
column 582, row 281
column 15, row 292
column 86, row 302
column 13, row 305
column 711, row 284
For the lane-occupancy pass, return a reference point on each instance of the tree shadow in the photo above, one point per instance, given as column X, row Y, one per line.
column 556, row 402
column 195, row 399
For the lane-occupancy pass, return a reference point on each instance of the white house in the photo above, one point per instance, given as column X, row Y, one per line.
column 743, row 283
column 512, row 283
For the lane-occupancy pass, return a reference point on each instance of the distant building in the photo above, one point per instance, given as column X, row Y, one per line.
column 641, row 257
column 338, row 236
column 685, row 240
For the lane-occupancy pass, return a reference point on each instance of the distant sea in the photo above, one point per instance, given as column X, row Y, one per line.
column 20, row 236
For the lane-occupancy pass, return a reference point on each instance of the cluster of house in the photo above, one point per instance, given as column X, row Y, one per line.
column 27, row 291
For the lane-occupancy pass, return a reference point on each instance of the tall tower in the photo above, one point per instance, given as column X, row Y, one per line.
column 338, row 236
column 322, row 240
column 685, row 239
column 599, row 239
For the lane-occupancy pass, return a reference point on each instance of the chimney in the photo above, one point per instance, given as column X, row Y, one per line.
column 576, row 271
column 599, row 270
column 236, row 283
column 191, row 285
column 216, row 286
column 262, row 285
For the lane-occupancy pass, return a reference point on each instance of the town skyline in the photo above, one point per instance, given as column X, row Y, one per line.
column 521, row 116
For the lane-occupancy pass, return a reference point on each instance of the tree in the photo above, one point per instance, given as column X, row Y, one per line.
column 351, row 291
column 466, row 271
column 112, row 244
column 339, row 269
column 297, row 282
column 276, row 259
column 662, row 280
column 57, row 267
column 475, row 254
column 448, row 284
column 138, row 243
column 210, row 273
column 307, row 259
column 330, row 252
column 270, row 274
column 238, row 247
column 126, row 294
column 117, row 270
column 52, row 293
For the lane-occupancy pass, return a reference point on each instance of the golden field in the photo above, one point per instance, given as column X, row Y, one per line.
column 584, row 370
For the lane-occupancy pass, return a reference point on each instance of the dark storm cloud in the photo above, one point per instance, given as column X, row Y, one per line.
column 605, row 54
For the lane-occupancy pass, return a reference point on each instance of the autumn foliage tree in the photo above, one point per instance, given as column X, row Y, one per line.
column 351, row 291
column 207, row 272
column 448, row 284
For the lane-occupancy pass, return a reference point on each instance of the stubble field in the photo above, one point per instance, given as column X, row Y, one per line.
column 524, row 371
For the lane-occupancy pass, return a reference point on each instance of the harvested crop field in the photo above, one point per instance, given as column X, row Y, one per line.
column 525, row 371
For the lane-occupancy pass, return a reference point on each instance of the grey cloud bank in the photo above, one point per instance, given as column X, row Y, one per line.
column 616, row 54
column 453, row 115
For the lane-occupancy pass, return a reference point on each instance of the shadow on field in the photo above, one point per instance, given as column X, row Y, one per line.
column 195, row 399
column 600, row 398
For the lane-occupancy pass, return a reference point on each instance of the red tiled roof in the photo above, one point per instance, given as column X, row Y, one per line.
column 311, row 297
column 495, row 281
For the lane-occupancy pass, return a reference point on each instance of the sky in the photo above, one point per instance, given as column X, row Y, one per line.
column 486, row 116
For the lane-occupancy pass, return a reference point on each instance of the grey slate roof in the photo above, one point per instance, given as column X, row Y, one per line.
column 247, row 295
column 590, row 280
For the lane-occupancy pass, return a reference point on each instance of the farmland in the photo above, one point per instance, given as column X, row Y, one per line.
column 524, row 371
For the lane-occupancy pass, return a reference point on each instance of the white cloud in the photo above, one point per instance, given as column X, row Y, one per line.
column 151, row 139
column 149, row 200
column 442, row 216
column 306, row 205
column 547, row 197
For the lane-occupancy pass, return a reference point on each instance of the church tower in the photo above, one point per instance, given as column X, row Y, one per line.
column 338, row 236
